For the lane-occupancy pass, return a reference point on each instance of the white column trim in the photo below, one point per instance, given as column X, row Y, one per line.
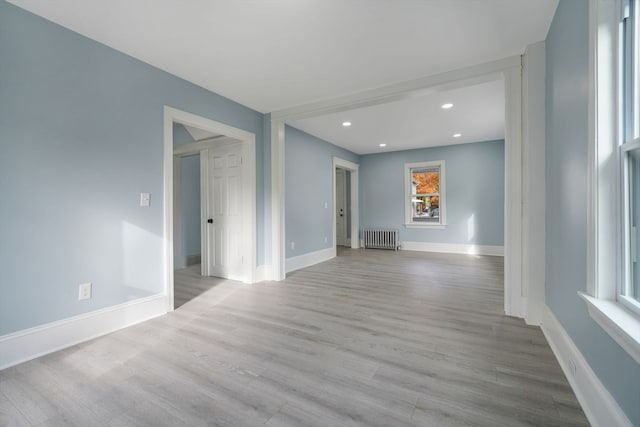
column 513, row 295
column 533, row 185
column 278, row 255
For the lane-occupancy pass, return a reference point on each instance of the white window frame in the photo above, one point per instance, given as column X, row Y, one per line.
column 408, row 216
column 630, row 142
column 605, row 244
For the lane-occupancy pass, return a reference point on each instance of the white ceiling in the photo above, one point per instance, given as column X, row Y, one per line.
column 477, row 114
column 200, row 134
column 275, row 54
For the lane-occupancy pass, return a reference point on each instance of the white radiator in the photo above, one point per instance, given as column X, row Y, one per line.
column 381, row 238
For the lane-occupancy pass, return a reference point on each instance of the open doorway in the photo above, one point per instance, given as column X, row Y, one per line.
column 210, row 194
column 346, row 218
column 343, row 211
column 509, row 71
column 187, row 228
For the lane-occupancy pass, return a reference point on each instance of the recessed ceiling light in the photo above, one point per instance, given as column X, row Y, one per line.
column 446, row 106
column 383, row 145
column 346, row 124
column 457, row 135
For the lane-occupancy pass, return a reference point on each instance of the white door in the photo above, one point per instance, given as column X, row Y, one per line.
column 222, row 213
column 341, row 207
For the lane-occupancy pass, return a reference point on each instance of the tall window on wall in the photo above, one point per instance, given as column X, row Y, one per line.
column 425, row 194
column 629, row 288
column 613, row 275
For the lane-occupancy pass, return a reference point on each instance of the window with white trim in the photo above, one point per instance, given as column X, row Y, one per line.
column 425, row 194
column 629, row 287
column 614, row 168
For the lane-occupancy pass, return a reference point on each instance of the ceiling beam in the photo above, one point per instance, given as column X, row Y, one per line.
column 482, row 73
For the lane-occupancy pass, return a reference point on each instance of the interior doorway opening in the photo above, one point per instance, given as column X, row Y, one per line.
column 343, row 207
column 210, row 204
column 346, row 217
column 187, row 210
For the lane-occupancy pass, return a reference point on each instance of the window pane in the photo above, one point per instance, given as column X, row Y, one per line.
column 631, row 73
column 633, row 285
column 425, row 195
column 635, row 70
column 427, row 182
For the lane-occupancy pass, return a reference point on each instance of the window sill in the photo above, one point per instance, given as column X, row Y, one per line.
column 621, row 324
column 435, row 226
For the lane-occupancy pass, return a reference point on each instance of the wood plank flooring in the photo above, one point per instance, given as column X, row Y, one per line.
column 375, row 338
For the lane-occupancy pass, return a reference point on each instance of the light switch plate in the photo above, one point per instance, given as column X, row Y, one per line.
column 145, row 200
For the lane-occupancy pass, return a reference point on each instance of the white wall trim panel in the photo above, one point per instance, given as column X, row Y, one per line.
column 453, row 248
column 307, row 260
column 597, row 403
column 34, row 342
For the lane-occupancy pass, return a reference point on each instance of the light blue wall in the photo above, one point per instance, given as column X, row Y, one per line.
column 308, row 186
column 190, row 218
column 81, row 127
column 180, row 135
column 474, row 192
column 190, row 196
column 566, row 201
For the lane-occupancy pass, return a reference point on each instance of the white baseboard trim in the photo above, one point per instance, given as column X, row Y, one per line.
column 453, row 248
column 263, row 273
column 597, row 403
column 181, row 261
column 193, row 260
column 307, row 260
column 34, row 342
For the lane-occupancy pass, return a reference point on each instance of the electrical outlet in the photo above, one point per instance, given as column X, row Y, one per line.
column 84, row 291
column 326, row 239
column 293, row 246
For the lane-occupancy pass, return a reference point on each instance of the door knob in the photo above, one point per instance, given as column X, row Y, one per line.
column 210, row 220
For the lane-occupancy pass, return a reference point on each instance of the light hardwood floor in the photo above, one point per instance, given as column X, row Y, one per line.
column 376, row 338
